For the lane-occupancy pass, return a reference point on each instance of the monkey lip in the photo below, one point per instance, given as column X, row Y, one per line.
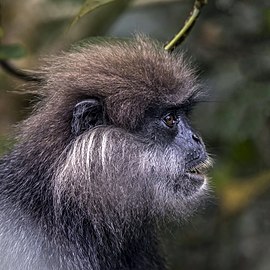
column 196, row 177
column 193, row 179
column 197, row 172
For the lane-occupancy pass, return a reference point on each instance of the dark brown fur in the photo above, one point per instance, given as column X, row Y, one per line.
column 61, row 209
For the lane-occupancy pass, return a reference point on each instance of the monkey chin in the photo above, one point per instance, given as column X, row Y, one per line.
column 189, row 186
column 183, row 197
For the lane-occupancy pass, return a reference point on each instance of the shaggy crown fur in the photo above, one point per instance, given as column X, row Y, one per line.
column 129, row 76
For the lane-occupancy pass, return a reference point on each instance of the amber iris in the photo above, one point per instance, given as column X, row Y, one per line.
column 170, row 120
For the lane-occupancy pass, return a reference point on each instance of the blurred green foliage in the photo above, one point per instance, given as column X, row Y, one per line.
column 12, row 51
column 5, row 144
column 89, row 6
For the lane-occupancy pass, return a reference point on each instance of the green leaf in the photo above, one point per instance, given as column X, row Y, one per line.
column 89, row 6
column 12, row 51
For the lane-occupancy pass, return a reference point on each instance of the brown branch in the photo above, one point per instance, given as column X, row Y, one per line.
column 14, row 71
column 189, row 23
column 29, row 76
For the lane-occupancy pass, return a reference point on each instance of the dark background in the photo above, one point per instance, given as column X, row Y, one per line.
column 230, row 45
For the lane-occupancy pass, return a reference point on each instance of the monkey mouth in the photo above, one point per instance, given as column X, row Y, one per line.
column 198, row 172
column 193, row 179
column 196, row 177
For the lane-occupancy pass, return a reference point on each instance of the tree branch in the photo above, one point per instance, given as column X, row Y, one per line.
column 182, row 34
column 19, row 73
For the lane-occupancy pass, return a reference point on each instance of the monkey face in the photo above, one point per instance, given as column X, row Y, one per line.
column 129, row 145
column 170, row 128
column 159, row 166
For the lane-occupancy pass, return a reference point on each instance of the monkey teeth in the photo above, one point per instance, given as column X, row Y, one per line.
column 201, row 168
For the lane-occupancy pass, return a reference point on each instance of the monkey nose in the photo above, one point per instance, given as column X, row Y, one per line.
column 196, row 138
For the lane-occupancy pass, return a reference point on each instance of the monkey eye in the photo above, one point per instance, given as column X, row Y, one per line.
column 170, row 120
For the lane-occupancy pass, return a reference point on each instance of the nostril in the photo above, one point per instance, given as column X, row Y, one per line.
column 196, row 138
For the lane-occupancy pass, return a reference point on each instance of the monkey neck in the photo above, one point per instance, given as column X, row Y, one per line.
column 26, row 186
column 113, row 245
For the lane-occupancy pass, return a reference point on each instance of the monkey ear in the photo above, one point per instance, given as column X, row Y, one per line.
column 86, row 114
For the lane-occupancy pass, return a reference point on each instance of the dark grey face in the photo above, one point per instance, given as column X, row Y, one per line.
column 170, row 127
column 159, row 166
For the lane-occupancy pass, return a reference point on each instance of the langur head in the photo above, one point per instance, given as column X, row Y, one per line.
column 117, row 114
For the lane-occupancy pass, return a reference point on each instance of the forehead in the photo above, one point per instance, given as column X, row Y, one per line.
column 130, row 77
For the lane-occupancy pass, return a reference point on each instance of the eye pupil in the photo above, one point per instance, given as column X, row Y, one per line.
column 170, row 120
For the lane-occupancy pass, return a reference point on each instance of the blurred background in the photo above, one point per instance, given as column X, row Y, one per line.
column 230, row 45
